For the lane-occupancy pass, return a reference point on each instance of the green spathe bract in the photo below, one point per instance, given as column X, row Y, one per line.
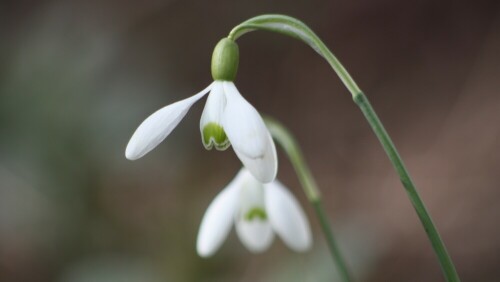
column 256, row 213
column 214, row 135
column 225, row 59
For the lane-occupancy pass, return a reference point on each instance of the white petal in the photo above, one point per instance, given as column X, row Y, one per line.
column 158, row 126
column 263, row 169
column 212, row 113
column 287, row 217
column 251, row 192
column 243, row 124
column 249, row 136
column 255, row 232
column 257, row 235
column 218, row 218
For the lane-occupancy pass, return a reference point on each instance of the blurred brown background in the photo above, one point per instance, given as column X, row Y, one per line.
column 77, row 78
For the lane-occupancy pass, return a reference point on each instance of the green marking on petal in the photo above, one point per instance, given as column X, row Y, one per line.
column 214, row 135
column 256, row 213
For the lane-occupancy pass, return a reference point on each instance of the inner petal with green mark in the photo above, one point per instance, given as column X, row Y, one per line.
column 254, row 213
column 214, row 136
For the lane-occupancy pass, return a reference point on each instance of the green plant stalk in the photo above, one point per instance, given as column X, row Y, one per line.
column 292, row 149
column 429, row 227
column 292, row 27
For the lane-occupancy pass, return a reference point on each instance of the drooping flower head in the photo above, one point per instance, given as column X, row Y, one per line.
column 227, row 119
column 258, row 211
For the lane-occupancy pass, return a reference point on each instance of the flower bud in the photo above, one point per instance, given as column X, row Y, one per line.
column 225, row 60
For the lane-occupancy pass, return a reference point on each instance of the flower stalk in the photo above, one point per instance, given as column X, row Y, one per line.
column 294, row 28
column 285, row 139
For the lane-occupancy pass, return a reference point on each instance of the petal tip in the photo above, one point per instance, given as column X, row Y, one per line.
column 268, row 178
column 130, row 155
column 303, row 246
column 203, row 250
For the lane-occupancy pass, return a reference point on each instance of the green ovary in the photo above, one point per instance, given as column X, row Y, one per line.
column 225, row 59
column 214, row 135
column 256, row 213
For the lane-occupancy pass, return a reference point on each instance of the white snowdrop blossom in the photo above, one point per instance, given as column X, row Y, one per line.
column 258, row 211
column 227, row 119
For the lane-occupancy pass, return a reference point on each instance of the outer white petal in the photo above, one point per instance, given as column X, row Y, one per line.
column 158, row 126
column 256, row 235
column 264, row 169
column 249, row 136
column 218, row 218
column 287, row 217
column 244, row 126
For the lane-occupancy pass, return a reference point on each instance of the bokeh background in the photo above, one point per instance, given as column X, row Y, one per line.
column 78, row 77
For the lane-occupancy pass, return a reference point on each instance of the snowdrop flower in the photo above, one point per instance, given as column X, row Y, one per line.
column 258, row 211
column 228, row 119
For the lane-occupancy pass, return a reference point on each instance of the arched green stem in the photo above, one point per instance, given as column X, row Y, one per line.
column 284, row 138
column 296, row 29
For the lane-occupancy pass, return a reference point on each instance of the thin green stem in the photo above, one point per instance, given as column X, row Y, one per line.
column 296, row 29
column 429, row 227
column 292, row 149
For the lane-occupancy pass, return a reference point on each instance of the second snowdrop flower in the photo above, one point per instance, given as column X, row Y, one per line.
column 258, row 211
column 228, row 119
